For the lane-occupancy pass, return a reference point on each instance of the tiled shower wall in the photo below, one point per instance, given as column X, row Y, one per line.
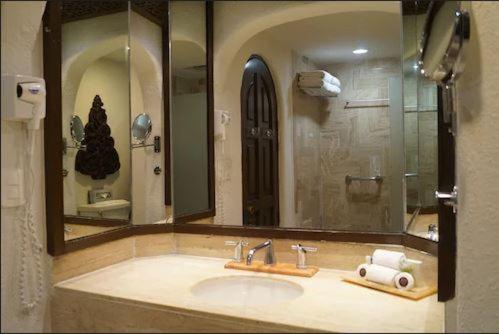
column 306, row 121
column 332, row 142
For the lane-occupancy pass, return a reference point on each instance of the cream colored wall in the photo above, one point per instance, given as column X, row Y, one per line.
column 237, row 21
column 22, row 54
column 227, row 97
column 476, row 305
column 109, row 79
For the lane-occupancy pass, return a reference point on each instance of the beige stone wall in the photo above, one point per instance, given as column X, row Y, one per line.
column 476, row 305
column 306, row 123
column 354, row 141
column 22, row 53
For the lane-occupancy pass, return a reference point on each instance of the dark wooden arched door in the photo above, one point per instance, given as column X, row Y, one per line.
column 259, row 145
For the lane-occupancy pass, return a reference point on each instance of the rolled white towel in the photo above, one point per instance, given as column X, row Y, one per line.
column 390, row 259
column 404, row 281
column 322, row 75
column 362, row 270
column 383, row 275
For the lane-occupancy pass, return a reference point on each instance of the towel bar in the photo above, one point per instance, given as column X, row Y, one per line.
column 367, row 103
column 377, row 178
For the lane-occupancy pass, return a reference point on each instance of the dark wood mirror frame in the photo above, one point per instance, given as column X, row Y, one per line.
column 53, row 161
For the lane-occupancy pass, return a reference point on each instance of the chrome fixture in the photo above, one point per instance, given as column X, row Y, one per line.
column 375, row 103
column 157, row 170
column 269, row 255
column 411, row 175
column 377, row 178
column 450, row 199
column 301, row 262
column 238, row 251
column 432, row 232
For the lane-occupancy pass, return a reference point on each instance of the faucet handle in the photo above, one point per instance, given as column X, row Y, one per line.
column 238, row 250
column 235, row 243
column 301, row 260
column 299, row 247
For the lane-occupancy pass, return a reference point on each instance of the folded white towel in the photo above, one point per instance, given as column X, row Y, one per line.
column 327, row 90
column 390, row 259
column 380, row 274
column 312, row 82
column 322, row 75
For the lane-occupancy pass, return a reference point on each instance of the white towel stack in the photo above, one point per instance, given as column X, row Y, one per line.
column 319, row 83
column 389, row 268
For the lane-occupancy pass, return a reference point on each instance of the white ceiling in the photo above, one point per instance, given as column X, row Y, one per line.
column 331, row 38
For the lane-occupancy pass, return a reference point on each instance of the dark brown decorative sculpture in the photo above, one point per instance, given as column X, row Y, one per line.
column 100, row 157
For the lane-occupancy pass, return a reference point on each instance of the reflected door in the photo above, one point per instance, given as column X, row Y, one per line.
column 259, row 145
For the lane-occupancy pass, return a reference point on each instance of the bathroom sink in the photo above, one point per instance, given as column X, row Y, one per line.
column 246, row 290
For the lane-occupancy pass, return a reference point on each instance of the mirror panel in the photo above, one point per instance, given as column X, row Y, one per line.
column 189, row 108
column 112, row 83
column 141, row 128
column 421, row 132
column 323, row 158
column 95, row 84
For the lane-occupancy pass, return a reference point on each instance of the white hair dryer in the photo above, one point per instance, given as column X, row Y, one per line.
column 23, row 99
column 34, row 93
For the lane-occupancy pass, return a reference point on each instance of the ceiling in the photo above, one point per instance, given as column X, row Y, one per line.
column 117, row 55
column 331, row 38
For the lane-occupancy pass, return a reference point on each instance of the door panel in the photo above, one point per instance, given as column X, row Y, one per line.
column 259, row 141
column 446, row 216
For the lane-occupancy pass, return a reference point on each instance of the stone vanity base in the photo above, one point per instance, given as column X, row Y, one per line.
column 82, row 312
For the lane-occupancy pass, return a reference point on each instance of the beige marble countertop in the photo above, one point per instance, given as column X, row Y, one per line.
column 327, row 303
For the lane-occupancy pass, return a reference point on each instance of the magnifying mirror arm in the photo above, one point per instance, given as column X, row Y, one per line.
column 76, row 146
column 156, row 144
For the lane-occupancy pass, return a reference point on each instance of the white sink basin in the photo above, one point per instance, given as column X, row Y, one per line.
column 246, row 290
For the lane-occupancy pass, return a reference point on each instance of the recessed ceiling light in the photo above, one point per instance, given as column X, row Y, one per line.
column 360, row 51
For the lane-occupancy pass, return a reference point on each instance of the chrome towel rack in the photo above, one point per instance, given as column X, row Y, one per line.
column 367, row 103
column 377, row 178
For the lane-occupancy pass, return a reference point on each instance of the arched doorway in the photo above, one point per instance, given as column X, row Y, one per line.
column 259, row 145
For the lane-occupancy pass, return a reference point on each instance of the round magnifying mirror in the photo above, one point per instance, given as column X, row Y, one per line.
column 77, row 129
column 141, row 128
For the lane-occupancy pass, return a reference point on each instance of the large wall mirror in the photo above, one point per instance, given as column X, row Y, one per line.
column 309, row 123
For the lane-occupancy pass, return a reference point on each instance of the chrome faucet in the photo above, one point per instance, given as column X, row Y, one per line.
column 269, row 255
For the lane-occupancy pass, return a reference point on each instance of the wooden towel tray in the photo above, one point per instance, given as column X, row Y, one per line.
column 415, row 293
column 278, row 268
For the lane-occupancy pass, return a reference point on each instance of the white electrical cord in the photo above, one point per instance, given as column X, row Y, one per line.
column 220, row 180
column 31, row 247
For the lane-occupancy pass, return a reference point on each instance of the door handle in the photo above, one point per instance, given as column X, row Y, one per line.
column 251, row 210
column 450, row 198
